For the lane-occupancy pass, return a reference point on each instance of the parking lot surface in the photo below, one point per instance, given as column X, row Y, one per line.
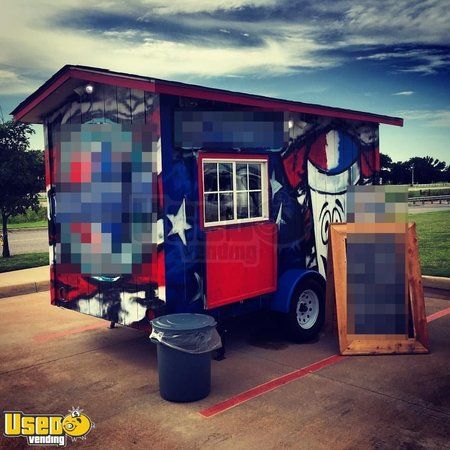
column 52, row 359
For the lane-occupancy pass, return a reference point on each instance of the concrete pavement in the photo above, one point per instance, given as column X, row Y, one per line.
column 52, row 359
column 25, row 281
column 436, row 282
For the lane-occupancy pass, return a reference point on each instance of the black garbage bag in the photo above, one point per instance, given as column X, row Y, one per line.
column 189, row 333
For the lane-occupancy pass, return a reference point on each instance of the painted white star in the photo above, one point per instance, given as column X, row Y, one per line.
column 280, row 220
column 276, row 186
column 179, row 224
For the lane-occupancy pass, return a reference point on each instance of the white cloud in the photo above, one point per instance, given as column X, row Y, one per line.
column 395, row 21
column 429, row 64
column 13, row 83
column 431, row 118
column 388, row 55
column 407, row 93
column 195, row 6
column 422, row 61
column 32, row 39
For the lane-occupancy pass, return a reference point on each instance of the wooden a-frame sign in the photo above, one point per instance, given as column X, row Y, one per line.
column 414, row 341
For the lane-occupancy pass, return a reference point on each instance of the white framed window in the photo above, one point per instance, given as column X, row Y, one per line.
column 235, row 190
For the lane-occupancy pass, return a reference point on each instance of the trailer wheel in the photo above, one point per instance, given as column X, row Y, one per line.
column 307, row 311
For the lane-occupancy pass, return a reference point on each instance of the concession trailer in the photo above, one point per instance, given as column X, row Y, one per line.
column 166, row 197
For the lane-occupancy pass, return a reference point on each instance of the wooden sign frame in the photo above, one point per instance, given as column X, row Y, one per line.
column 336, row 294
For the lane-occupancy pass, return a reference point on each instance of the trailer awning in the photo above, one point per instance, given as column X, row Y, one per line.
column 60, row 87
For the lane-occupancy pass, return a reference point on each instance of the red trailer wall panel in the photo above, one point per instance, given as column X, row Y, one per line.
column 240, row 263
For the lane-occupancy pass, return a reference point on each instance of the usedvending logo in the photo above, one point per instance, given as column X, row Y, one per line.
column 48, row 429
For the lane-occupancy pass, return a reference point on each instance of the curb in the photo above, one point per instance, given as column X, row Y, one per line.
column 24, row 288
column 436, row 282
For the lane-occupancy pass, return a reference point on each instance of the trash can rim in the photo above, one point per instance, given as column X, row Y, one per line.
column 183, row 322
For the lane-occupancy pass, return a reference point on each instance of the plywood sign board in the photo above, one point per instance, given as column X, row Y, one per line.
column 374, row 289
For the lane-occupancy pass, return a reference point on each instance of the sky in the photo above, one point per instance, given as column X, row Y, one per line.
column 389, row 57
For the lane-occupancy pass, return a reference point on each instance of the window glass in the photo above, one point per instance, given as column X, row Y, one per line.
column 242, row 205
column 234, row 191
column 225, row 177
column 226, row 206
column 254, row 171
column 211, row 208
column 210, row 177
column 255, row 204
column 241, row 176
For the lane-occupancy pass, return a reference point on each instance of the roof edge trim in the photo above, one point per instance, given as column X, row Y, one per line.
column 81, row 74
column 188, row 90
column 169, row 88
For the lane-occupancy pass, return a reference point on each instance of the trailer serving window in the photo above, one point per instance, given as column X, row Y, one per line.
column 234, row 190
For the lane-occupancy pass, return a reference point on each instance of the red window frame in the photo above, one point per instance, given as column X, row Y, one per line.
column 231, row 157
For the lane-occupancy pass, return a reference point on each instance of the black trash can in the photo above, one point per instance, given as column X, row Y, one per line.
column 185, row 342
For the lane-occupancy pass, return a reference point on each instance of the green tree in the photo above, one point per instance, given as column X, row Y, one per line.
column 385, row 168
column 21, row 174
column 427, row 169
column 446, row 174
column 400, row 172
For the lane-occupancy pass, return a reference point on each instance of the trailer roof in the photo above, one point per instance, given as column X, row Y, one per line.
column 54, row 92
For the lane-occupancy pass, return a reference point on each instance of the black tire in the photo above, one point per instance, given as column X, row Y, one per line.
column 300, row 325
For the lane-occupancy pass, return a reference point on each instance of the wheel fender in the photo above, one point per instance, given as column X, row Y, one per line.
column 286, row 285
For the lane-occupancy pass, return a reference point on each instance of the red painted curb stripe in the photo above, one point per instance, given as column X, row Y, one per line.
column 51, row 336
column 284, row 379
column 438, row 315
column 270, row 386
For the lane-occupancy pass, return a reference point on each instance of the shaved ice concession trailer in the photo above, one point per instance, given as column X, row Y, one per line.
column 165, row 197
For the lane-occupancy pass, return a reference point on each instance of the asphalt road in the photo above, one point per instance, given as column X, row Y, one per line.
column 28, row 241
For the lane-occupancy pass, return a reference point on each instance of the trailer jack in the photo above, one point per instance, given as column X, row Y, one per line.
column 220, row 352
